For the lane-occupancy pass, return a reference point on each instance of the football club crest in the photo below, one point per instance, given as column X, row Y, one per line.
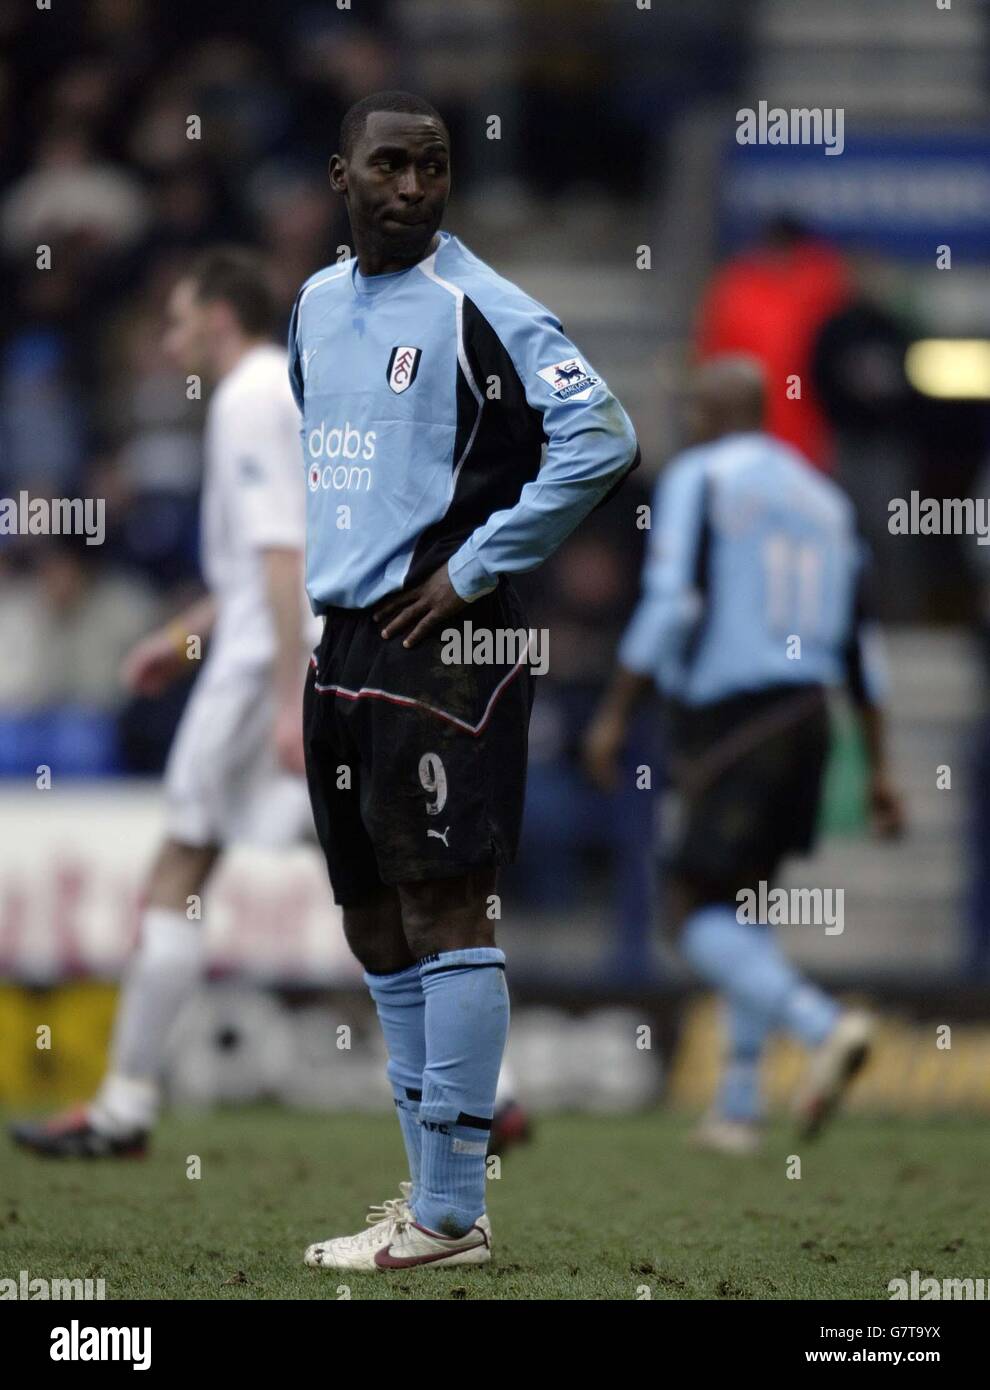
column 570, row 380
column 402, row 368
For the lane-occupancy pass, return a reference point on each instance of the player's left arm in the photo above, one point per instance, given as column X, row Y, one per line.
column 867, row 683
column 590, row 448
column 590, row 443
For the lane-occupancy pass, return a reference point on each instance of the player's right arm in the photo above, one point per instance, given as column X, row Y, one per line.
column 297, row 384
column 163, row 656
column 667, row 608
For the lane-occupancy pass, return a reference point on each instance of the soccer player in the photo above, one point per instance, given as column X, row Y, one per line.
column 753, row 604
column 235, row 769
column 430, row 388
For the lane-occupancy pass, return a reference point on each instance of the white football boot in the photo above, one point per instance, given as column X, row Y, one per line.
column 394, row 1241
column 830, row 1070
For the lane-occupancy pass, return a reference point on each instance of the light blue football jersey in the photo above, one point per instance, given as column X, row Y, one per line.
column 446, row 418
column 753, row 578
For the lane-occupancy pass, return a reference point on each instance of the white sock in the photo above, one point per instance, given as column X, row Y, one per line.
column 124, row 1104
column 160, row 978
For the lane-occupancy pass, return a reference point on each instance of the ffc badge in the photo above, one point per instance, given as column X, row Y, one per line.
column 402, row 368
column 570, row 380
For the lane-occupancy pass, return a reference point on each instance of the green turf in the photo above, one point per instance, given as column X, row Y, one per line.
column 592, row 1209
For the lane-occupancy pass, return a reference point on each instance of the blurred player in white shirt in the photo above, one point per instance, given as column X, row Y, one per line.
column 235, row 771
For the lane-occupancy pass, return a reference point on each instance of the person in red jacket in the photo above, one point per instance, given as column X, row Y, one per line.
column 770, row 303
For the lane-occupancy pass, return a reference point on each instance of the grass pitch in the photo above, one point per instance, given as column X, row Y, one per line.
column 593, row 1208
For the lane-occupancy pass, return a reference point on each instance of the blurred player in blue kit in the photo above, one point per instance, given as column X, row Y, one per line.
column 755, row 602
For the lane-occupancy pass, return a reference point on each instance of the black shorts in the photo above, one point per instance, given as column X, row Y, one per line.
column 416, row 767
column 748, row 771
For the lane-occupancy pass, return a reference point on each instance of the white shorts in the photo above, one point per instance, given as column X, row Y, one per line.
column 223, row 783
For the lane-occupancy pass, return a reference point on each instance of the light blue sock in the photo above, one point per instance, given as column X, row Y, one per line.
column 739, row 1091
column 467, row 1022
column 402, row 1013
column 743, row 961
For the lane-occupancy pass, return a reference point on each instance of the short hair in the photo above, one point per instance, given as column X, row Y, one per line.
column 356, row 117
column 239, row 277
